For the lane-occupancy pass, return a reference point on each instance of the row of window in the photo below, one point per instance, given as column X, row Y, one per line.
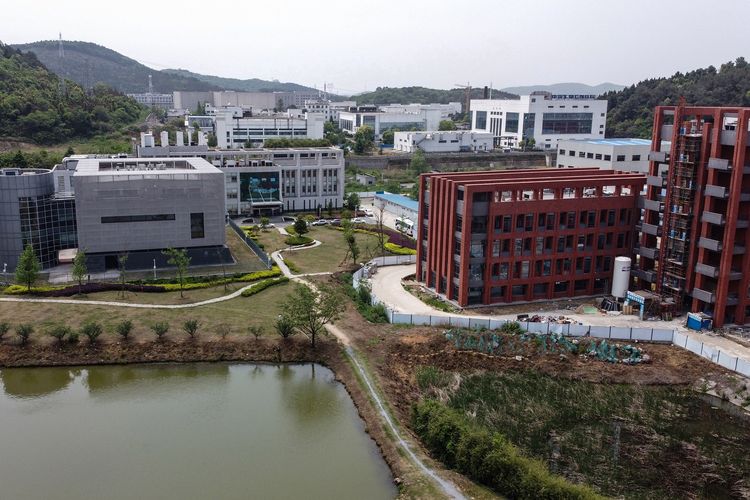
column 541, row 245
column 543, row 268
column 599, row 156
column 562, row 221
column 196, row 221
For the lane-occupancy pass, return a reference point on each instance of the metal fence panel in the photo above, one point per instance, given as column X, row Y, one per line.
column 479, row 323
column 601, row 332
column 263, row 256
column 678, row 339
column 542, row 328
column 620, row 333
column 693, row 345
column 727, row 361
column 711, row 353
column 420, row 319
column 460, row 321
column 440, row 320
column 496, row 323
column 578, row 330
column 743, row 367
column 560, row 328
column 640, row 333
column 663, row 335
column 401, row 318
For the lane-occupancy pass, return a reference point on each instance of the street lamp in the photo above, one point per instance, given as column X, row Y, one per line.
column 154, row 268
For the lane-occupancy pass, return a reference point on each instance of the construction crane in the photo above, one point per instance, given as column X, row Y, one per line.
column 467, row 95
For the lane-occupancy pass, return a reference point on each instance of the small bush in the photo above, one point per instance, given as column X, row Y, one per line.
column 399, row 250
column 255, row 330
column 59, row 332
column 284, row 326
column 190, row 327
column 223, row 330
column 4, row 329
column 293, row 241
column 160, row 329
column 92, row 330
column 431, row 376
column 512, row 328
column 24, row 331
column 73, row 337
column 259, row 287
column 124, row 328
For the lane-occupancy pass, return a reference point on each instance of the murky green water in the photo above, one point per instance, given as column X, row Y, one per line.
column 217, row 431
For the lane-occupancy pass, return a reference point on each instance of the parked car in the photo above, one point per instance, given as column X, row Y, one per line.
column 358, row 220
column 319, row 222
column 335, row 222
column 249, row 220
column 287, row 218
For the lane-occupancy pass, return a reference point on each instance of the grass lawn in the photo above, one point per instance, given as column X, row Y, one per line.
column 328, row 257
column 261, row 309
column 272, row 240
column 190, row 297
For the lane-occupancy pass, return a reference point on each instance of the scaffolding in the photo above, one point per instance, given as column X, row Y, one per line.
column 679, row 217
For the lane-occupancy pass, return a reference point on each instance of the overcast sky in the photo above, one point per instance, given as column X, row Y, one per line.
column 360, row 45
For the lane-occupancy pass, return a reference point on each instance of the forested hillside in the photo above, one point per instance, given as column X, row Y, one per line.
column 247, row 85
column 34, row 106
column 89, row 64
column 422, row 95
column 631, row 110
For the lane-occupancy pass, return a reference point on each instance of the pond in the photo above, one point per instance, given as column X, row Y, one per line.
column 184, row 431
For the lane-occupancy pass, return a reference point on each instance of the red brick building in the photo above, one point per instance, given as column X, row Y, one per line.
column 521, row 235
column 696, row 222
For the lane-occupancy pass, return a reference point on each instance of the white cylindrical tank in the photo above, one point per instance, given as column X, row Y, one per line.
column 164, row 138
column 179, row 141
column 621, row 277
column 147, row 140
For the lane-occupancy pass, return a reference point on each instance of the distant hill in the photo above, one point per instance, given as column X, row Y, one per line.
column 566, row 88
column 89, row 63
column 249, row 85
column 631, row 110
column 35, row 106
column 422, row 95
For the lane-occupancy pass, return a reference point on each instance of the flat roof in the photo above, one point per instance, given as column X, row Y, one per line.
column 130, row 166
column 613, row 142
column 399, row 199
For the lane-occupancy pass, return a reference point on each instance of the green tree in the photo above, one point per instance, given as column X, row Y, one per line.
column 24, row 331
column 28, row 267
column 284, row 326
column 59, row 332
column 70, row 151
column 352, row 249
column 212, row 140
column 92, row 330
column 124, row 328
column 418, row 163
column 447, row 125
column 179, row 258
column 310, row 310
column 122, row 259
column 190, row 327
column 160, row 329
column 19, row 160
column 223, row 330
column 364, row 139
column 352, row 202
column 329, row 208
column 264, row 221
column 4, row 328
column 300, row 226
column 200, row 109
column 388, row 136
column 79, row 268
column 255, row 330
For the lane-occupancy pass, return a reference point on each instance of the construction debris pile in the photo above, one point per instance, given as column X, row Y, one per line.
column 494, row 343
column 537, row 318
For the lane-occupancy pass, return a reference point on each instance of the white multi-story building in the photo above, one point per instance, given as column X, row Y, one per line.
column 380, row 121
column 232, row 132
column 318, row 106
column 446, row 110
column 614, row 154
column 255, row 100
column 154, row 100
column 541, row 116
column 269, row 181
column 452, row 141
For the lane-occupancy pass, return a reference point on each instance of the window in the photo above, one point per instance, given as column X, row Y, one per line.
column 566, row 123
column 607, row 157
column 511, row 122
column 571, row 153
column 480, row 120
column 590, row 155
column 196, row 225
column 137, row 218
column 598, row 156
column 620, row 157
column 562, row 151
column 582, row 154
column 636, row 157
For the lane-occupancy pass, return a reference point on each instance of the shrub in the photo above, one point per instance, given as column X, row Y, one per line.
column 190, row 327
column 512, row 328
column 292, row 266
column 259, row 287
column 92, row 330
column 284, row 326
column 223, row 330
column 24, row 331
column 399, row 250
column 488, row 457
column 255, row 330
column 293, row 241
column 4, row 328
column 160, row 329
column 124, row 328
column 73, row 337
column 430, row 376
column 59, row 332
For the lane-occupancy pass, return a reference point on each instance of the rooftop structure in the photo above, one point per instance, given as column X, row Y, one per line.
column 380, row 121
column 615, row 154
column 522, row 235
column 453, row 141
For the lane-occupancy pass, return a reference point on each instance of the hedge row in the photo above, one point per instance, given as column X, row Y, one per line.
column 166, row 285
column 488, row 457
column 259, row 287
column 399, row 250
column 294, row 240
column 392, row 236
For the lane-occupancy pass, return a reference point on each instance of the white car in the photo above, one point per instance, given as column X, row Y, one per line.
column 358, row 220
column 320, row 222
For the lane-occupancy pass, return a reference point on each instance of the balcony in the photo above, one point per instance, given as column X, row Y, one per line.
column 666, row 132
column 479, row 208
column 743, row 224
column 716, row 191
column 728, row 137
column 649, row 253
column 704, row 296
column 655, row 180
column 735, row 275
column 719, row 164
column 706, row 270
column 745, row 196
column 713, row 218
column 654, row 205
column 738, row 250
column 657, row 156
column 650, row 229
column 709, row 244
column 733, row 300
column 649, row 276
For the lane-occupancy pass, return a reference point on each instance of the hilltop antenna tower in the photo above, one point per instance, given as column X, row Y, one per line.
column 61, row 56
column 60, row 50
column 150, row 85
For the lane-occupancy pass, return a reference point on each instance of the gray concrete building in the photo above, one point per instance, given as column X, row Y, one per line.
column 31, row 214
column 143, row 206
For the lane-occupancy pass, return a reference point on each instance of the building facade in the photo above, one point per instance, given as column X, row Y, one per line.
column 522, row 235
column 164, row 101
column 233, row 133
column 696, row 214
column 143, row 206
column 380, row 121
column 614, row 154
column 31, row 214
column 453, row 141
column 544, row 117
column 447, row 110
